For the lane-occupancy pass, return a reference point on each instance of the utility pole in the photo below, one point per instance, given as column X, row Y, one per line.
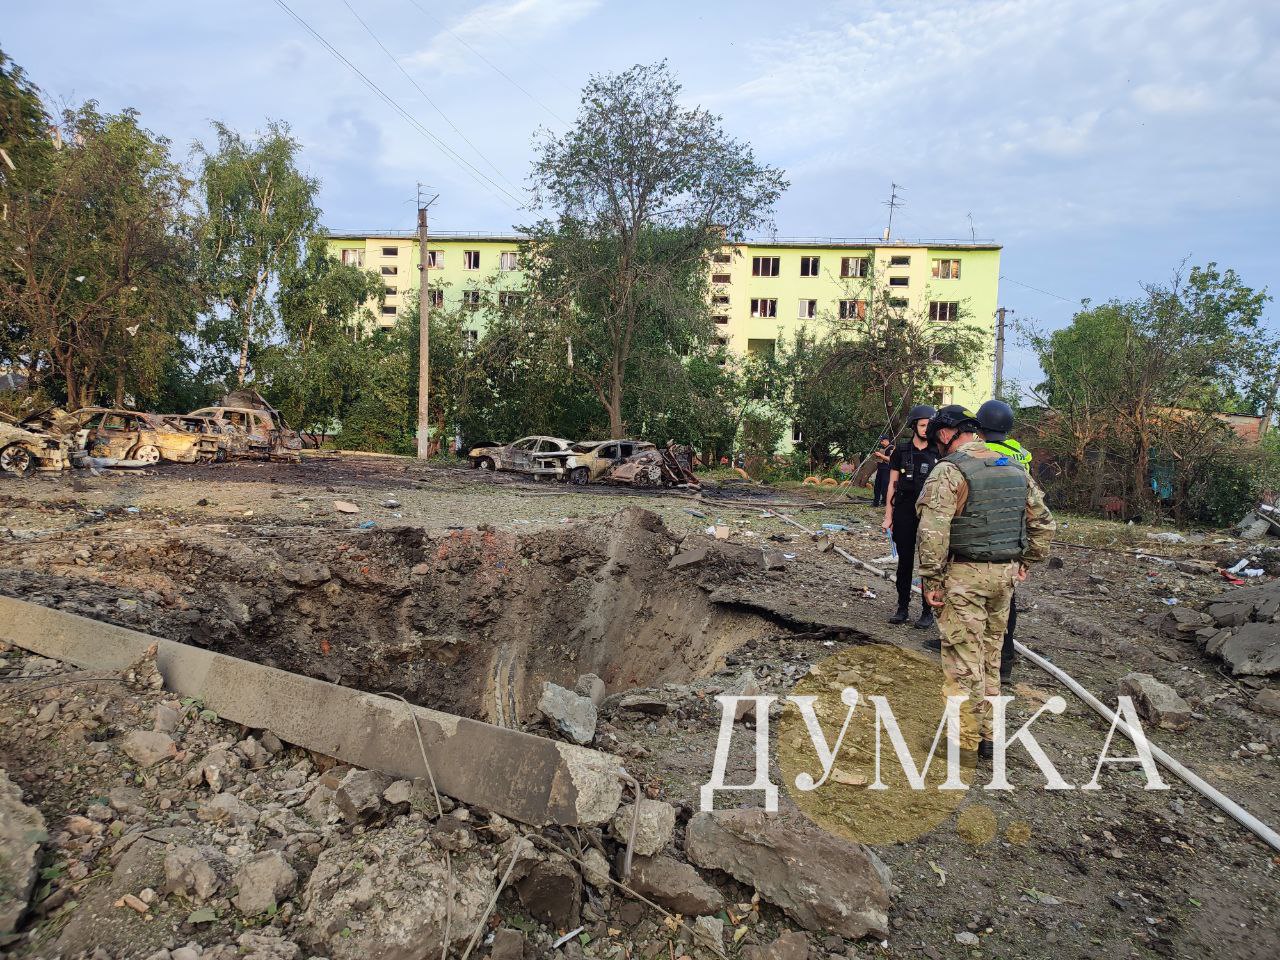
column 424, row 331
column 999, row 379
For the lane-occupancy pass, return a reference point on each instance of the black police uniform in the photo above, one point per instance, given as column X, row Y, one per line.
column 913, row 466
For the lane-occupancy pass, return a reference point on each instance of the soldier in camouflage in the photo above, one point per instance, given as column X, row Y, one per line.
column 982, row 522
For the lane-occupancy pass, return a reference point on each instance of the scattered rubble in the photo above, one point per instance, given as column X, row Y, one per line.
column 1156, row 702
column 1246, row 633
column 21, row 833
column 571, row 714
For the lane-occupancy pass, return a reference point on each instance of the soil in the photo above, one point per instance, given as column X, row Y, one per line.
column 467, row 591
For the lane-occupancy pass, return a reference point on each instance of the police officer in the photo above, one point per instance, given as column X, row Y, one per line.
column 909, row 465
column 995, row 417
column 982, row 521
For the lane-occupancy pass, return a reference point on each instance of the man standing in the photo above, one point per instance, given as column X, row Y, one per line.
column 909, row 466
column 881, row 453
column 995, row 417
column 982, row 521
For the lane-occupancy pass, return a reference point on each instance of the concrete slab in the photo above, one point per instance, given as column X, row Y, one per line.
column 526, row 778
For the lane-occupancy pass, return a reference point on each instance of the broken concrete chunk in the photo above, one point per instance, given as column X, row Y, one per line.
column 745, row 686
column 688, row 558
column 359, row 795
column 191, row 872
column 644, row 703
column 167, row 716
column 709, row 932
column 22, row 830
column 1183, row 622
column 1253, row 650
column 263, row 882
column 551, row 891
column 148, row 747
column 1267, row 701
column 345, row 506
column 1230, row 614
column 792, row 945
column 772, row 560
column 591, row 687
column 1156, row 702
column 596, row 869
column 306, row 575
column 657, row 822
column 572, row 715
column 226, row 807
column 675, row 885
column 508, row 944
column 821, row 881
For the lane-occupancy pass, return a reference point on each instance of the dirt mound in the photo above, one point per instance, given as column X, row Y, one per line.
column 469, row 621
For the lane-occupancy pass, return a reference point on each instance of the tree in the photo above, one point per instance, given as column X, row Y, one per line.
column 260, row 214
column 643, row 191
column 99, row 259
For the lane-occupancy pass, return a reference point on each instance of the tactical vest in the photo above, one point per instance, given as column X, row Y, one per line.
column 993, row 525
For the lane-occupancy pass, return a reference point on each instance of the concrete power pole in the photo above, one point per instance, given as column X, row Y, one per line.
column 999, row 378
column 424, row 332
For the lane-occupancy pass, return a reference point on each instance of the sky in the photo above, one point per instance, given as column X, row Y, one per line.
column 1102, row 143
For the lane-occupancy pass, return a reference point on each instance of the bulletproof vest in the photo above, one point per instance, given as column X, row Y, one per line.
column 993, row 525
column 916, row 467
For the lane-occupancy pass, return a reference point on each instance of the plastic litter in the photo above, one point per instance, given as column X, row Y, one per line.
column 1169, row 601
column 368, row 525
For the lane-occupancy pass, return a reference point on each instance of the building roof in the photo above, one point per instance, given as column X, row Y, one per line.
column 859, row 243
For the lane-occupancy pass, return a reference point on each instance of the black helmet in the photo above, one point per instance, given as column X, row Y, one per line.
column 952, row 415
column 921, row 411
column 995, row 417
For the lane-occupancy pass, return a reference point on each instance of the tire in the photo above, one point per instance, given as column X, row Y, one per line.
column 220, row 456
column 579, row 476
column 486, row 463
column 145, row 452
column 17, row 460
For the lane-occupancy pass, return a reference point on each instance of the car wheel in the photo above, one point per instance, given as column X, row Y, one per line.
column 145, row 452
column 485, row 463
column 17, row 459
column 579, row 476
column 220, row 456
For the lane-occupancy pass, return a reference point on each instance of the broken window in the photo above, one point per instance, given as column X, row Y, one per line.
column 797, row 435
column 506, row 260
column 470, row 299
column 855, row 266
column 353, row 257
column 392, row 291
column 853, row 309
column 390, row 271
column 900, row 260
column 898, row 302
column 899, row 281
column 720, row 318
column 508, row 299
column 721, row 258
column 946, row 269
column 761, row 348
column 721, row 278
column 435, row 258
column 809, row 266
column 391, row 251
column 808, row 309
column 765, row 266
column 720, row 300
column 942, row 396
column 764, row 308
column 435, row 297
column 944, row 310
column 472, row 337
column 470, row 259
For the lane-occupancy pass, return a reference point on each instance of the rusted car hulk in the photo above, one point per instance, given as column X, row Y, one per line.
column 252, row 426
column 23, row 450
column 537, row 456
column 144, row 438
column 591, row 459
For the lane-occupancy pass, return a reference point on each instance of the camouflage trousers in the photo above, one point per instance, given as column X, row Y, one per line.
column 975, row 611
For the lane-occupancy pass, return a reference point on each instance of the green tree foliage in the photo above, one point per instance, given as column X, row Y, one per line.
column 260, row 216
column 642, row 191
column 1135, row 384
column 100, row 252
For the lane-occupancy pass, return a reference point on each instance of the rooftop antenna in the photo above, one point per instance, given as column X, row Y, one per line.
column 893, row 203
column 973, row 237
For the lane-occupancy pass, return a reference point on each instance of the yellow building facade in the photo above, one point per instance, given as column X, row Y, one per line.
column 761, row 290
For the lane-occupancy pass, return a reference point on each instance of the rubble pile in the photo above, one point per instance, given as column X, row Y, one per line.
column 1241, row 626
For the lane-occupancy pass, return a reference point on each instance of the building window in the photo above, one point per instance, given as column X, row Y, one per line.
column 942, row 396
column 391, row 251
column 943, row 353
column 506, row 260
column 761, row 348
column 721, row 258
column 898, row 302
column 392, row 291
column 470, row 299
column 764, row 308
column 721, row 318
column 470, row 259
column 720, row 300
column 944, row 310
column 435, row 259
column 946, row 269
column 853, row 309
column 899, row 281
column 353, row 257
column 473, row 337
column 855, row 266
column 809, row 266
column 721, row 278
column 390, row 271
column 508, row 299
column 435, row 297
column 808, row 309
column 388, row 311
column 765, row 266
column 797, row 435
column 900, row 261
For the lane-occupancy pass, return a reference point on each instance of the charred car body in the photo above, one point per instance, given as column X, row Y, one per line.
column 143, row 438
column 592, row 459
column 537, row 456
column 252, row 426
column 23, row 450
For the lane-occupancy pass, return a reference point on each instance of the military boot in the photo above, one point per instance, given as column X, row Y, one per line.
column 901, row 615
column 926, row 618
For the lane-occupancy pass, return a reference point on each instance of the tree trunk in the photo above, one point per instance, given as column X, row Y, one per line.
column 614, row 406
column 243, row 365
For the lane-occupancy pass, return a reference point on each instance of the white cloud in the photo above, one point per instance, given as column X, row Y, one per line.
column 498, row 26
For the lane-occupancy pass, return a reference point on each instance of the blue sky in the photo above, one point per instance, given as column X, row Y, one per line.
column 1100, row 142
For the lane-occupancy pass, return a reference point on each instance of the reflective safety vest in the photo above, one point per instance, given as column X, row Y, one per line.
column 992, row 527
column 1012, row 449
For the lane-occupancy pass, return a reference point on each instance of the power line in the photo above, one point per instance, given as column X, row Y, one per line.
column 425, row 96
column 496, row 189
column 1037, row 289
column 502, row 73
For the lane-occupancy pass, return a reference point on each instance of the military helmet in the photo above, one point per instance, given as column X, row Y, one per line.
column 921, row 411
column 954, row 415
column 995, row 417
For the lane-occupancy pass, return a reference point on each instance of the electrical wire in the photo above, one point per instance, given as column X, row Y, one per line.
column 482, row 179
column 1037, row 289
column 425, row 96
column 502, row 73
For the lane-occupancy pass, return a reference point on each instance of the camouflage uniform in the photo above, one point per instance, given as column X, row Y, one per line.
column 975, row 595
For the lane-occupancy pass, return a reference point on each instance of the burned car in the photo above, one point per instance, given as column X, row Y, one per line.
column 23, row 450
column 538, row 456
column 215, row 440
column 669, row 466
column 252, row 426
column 589, row 460
column 140, row 438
